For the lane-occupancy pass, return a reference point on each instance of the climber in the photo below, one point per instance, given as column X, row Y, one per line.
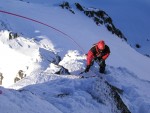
column 98, row 53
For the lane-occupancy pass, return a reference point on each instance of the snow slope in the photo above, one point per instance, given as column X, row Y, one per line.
column 38, row 46
column 89, row 32
column 131, row 17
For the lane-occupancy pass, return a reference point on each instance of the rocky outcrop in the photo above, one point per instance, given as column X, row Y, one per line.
column 109, row 95
column 1, row 78
column 98, row 16
column 101, row 18
column 65, row 5
column 13, row 35
column 20, row 75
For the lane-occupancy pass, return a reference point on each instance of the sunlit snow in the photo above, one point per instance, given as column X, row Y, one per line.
column 38, row 48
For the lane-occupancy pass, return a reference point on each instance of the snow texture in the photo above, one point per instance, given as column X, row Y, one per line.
column 50, row 60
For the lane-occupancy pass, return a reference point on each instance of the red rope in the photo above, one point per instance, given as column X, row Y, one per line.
column 13, row 14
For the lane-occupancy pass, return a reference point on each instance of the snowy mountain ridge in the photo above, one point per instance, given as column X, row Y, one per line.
column 130, row 17
column 45, row 59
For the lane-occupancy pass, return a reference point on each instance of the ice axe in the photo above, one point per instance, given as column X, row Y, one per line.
column 81, row 72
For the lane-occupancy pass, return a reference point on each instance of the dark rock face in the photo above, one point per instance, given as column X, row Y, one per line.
column 20, row 75
column 13, row 35
column 119, row 103
column 79, row 7
column 101, row 18
column 138, row 46
column 98, row 16
column 109, row 95
column 65, row 5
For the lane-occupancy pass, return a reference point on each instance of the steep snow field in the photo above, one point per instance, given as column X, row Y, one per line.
column 36, row 51
column 131, row 17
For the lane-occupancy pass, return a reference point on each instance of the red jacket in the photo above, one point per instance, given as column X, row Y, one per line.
column 95, row 52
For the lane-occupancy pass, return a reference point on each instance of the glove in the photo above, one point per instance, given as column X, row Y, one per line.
column 87, row 69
